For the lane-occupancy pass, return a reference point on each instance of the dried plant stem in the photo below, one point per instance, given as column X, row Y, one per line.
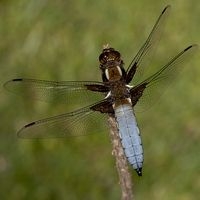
column 121, row 161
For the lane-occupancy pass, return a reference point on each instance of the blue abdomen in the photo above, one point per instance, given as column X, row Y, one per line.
column 130, row 136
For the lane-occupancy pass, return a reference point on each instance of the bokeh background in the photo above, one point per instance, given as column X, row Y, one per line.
column 61, row 40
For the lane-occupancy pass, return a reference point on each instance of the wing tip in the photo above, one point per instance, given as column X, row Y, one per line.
column 17, row 79
column 30, row 124
column 20, row 132
column 191, row 46
column 167, row 7
column 6, row 84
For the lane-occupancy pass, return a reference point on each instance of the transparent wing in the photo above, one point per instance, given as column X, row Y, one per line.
column 157, row 82
column 68, row 92
column 144, row 55
column 80, row 122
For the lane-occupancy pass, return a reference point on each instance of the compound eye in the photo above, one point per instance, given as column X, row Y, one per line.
column 117, row 56
column 103, row 58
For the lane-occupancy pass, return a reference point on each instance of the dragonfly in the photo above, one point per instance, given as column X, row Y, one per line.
column 118, row 94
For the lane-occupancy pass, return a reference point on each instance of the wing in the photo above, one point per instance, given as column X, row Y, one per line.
column 68, row 92
column 152, row 87
column 138, row 64
column 80, row 122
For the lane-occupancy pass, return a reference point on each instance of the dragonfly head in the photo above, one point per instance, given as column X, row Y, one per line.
column 111, row 64
column 109, row 57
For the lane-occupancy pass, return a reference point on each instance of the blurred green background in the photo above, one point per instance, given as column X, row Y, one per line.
column 61, row 40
